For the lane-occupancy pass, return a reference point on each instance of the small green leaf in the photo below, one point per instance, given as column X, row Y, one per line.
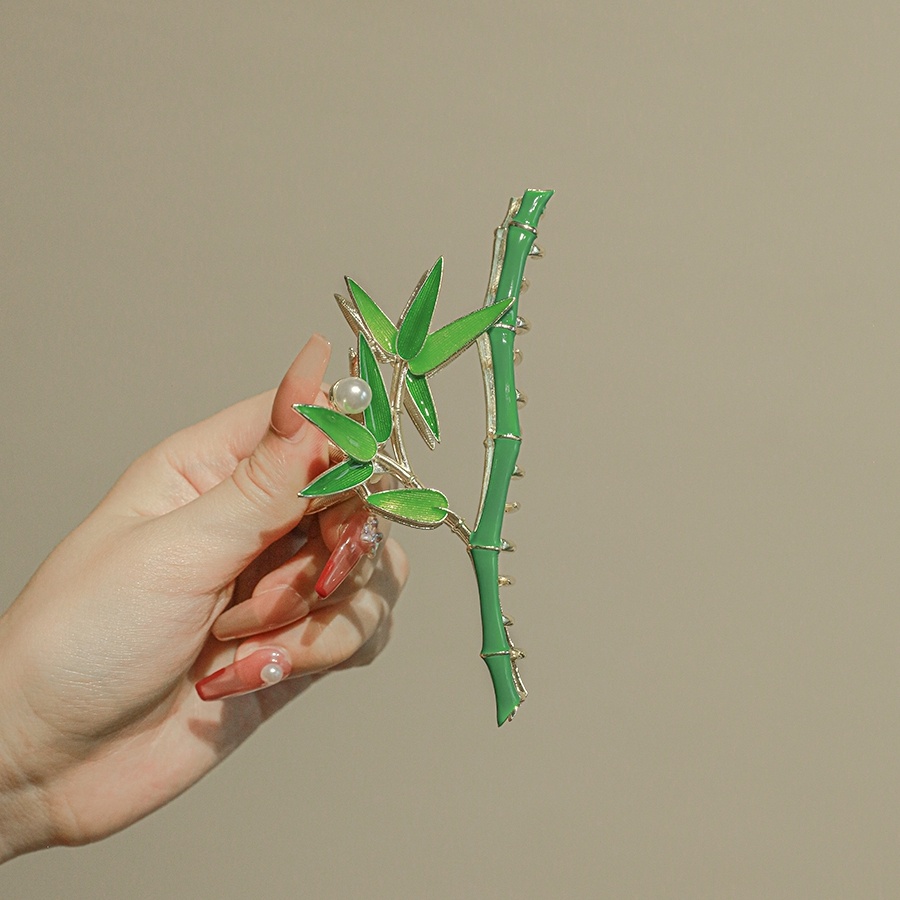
column 423, row 411
column 416, row 320
column 382, row 328
column 354, row 439
column 448, row 342
column 378, row 412
column 417, row 506
column 342, row 477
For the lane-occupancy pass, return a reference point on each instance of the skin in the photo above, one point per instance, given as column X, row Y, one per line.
column 99, row 655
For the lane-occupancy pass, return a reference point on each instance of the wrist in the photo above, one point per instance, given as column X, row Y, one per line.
column 24, row 818
column 23, row 822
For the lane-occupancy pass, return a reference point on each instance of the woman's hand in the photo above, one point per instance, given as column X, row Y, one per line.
column 99, row 656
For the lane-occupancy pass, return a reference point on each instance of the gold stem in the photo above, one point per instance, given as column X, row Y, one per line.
column 396, row 402
column 458, row 526
column 401, row 472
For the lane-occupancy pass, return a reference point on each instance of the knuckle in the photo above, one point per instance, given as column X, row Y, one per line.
column 257, row 476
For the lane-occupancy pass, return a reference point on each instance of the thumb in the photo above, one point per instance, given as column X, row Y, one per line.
column 232, row 523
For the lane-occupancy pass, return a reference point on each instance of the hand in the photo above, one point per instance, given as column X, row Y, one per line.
column 99, row 656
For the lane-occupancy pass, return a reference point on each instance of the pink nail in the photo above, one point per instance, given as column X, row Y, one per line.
column 260, row 669
column 360, row 537
column 301, row 384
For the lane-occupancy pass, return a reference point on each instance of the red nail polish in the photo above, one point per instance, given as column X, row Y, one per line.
column 360, row 537
column 260, row 669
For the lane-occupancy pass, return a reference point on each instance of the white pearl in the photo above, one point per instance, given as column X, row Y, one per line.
column 351, row 395
column 271, row 673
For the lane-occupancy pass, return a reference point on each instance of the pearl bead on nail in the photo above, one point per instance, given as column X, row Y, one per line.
column 271, row 673
column 351, row 395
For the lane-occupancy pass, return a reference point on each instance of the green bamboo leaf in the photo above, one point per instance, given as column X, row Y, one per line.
column 378, row 413
column 382, row 328
column 415, row 506
column 448, row 342
column 342, row 477
column 421, row 409
column 416, row 319
column 354, row 439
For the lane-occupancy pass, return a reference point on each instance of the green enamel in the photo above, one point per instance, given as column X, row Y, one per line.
column 503, row 464
column 420, row 505
column 506, row 693
column 519, row 242
column 342, row 477
column 502, row 340
column 420, row 393
column 452, row 339
column 487, row 533
column 417, row 318
column 532, row 207
column 378, row 413
column 381, row 327
column 354, row 439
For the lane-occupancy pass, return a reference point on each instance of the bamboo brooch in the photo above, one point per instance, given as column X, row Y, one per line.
column 366, row 421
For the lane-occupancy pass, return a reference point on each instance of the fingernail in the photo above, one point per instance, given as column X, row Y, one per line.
column 301, row 384
column 360, row 537
column 258, row 670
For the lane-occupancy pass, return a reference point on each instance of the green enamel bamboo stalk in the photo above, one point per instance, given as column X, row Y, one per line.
column 515, row 240
column 371, row 437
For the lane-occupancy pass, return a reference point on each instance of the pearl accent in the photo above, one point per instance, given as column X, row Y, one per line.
column 271, row 673
column 351, row 395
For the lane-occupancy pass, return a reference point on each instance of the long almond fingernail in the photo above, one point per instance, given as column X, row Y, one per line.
column 260, row 669
column 360, row 537
column 301, row 384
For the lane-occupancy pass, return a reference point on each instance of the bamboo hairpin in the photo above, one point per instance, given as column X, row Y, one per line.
column 366, row 424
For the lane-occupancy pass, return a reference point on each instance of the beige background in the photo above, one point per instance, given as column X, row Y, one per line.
column 707, row 567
